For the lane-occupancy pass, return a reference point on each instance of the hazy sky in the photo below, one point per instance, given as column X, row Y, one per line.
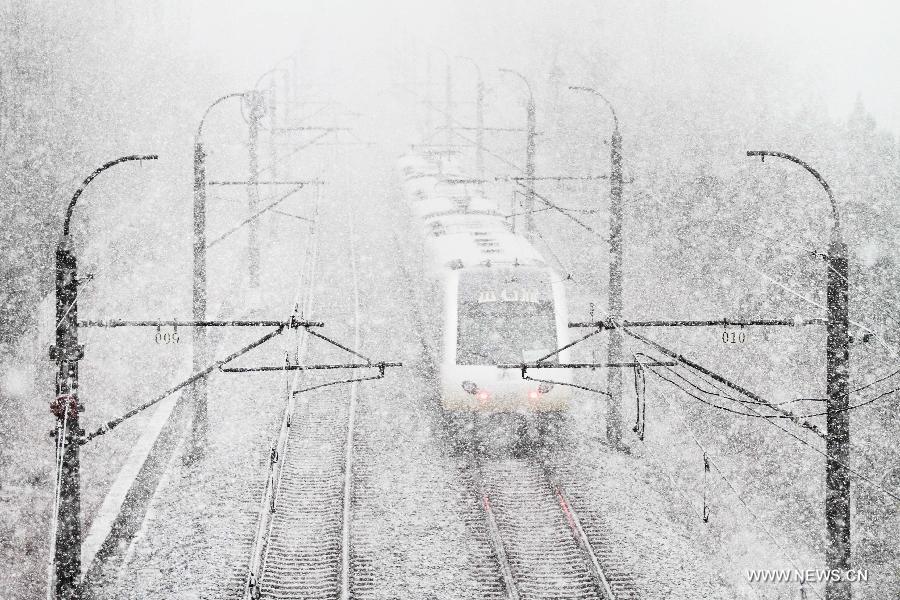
column 849, row 47
column 841, row 48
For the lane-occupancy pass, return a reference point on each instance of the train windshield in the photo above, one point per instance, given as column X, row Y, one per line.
column 505, row 319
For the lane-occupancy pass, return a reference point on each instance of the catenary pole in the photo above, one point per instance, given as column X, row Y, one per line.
column 67, row 406
column 253, row 261
column 531, row 133
column 199, row 288
column 448, row 102
column 273, row 145
column 837, row 419
column 479, row 120
column 616, row 260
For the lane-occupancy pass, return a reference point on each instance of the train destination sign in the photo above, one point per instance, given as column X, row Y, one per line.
column 505, row 285
column 509, row 295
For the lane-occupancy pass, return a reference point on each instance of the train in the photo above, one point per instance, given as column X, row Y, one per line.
column 496, row 300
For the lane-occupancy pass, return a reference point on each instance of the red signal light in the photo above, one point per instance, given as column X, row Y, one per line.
column 470, row 387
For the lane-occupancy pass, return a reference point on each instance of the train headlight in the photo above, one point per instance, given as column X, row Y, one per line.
column 470, row 387
column 543, row 388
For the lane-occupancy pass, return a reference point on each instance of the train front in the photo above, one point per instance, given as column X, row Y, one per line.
column 500, row 316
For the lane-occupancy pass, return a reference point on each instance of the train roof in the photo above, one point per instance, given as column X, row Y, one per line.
column 461, row 205
column 463, row 227
column 461, row 243
column 441, row 165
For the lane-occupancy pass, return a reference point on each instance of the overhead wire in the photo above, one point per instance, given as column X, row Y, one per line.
column 768, row 419
column 85, row 284
column 778, row 283
column 793, row 416
column 62, row 432
column 758, row 231
column 786, row 288
column 827, row 457
column 550, row 205
column 855, row 447
column 793, row 292
column 504, row 160
column 727, row 481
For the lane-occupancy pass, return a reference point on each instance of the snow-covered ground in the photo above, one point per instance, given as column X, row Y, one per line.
column 416, row 528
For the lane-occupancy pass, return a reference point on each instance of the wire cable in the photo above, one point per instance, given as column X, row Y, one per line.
column 727, row 481
column 768, row 419
column 62, row 431
column 827, row 457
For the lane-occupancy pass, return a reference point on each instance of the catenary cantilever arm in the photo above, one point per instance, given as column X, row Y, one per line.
column 211, row 106
column 523, row 78
column 834, row 208
column 602, row 97
column 91, row 177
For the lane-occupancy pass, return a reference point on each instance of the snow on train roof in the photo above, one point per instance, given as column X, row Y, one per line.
column 463, row 227
column 435, row 165
column 472, row 248
column 470, row 239
column 465, row 222
column 463, row 205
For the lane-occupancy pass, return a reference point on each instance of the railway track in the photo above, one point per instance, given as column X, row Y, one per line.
column 302, row 546
column 617, row 571
column 540, row 545
column 543, row 547
column 531, row 543
column 303, row 551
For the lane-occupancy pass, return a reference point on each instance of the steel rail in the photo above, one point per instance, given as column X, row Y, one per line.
column 496, row 540
column 351, row 425
column 601, row 583
column 578, row 532
column 278, row 455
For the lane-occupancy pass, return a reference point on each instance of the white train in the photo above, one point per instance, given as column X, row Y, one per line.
column 499, row 300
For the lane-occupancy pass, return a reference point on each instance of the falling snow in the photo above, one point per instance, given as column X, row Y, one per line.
column 360, row 129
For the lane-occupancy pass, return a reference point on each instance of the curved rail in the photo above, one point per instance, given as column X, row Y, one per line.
column 527, row 485
column 351, row 426
column 496, row 539
column 581, row 538
column 303, row 303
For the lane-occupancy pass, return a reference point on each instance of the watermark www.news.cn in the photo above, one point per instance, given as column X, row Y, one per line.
column 806, row 576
